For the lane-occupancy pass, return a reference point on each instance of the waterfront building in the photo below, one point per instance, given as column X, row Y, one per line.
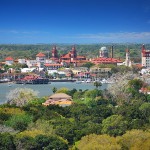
column 97, row 72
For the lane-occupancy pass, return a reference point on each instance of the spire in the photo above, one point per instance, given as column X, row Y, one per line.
column 54, row 47
column 54, row 52
column 73, row 52
column 73, row 48
column 112, row 51
column 128, row 61
column 127, row 50
column 143, row 48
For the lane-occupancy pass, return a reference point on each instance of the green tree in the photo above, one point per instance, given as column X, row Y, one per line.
column 145, row 111
column 97, row 84
column 21, row 96
column 88, row 65
column 54, row 89
column 97, row 142
column 50, row 142
column 114, row 125
column 6, row 142
column 24, row 142
column 135, row 84
column 62, row 90
column 19, row 121
column 135, row 140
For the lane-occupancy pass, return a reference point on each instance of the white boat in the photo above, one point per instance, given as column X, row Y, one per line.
column 4, row 80
column 88, row 81
column 104, row 81
column 78, row 82
column 9, row 84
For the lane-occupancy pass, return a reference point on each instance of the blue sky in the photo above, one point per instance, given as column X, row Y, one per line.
column 74, row 21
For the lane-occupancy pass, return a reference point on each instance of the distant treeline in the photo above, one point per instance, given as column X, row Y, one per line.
column 89, row 50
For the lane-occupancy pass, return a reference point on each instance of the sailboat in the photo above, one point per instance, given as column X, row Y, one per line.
column 9, row 84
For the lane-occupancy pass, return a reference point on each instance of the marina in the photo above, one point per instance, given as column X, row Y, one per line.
column 44, row 89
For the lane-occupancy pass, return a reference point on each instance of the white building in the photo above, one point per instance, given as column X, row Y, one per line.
column 22, row 61
column 128, row 60
column 9, row 61
column 145, row 57
column 103, row 52
column 31, row 63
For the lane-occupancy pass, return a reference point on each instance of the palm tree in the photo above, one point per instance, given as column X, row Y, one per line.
column 97, row 84
column 54, row 89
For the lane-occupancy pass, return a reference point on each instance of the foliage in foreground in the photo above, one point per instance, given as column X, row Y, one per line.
column 95, row 117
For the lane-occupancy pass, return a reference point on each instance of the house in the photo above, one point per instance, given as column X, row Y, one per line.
column 144, row 90
column 60, row 99
column 9, row 60
column 97, row 72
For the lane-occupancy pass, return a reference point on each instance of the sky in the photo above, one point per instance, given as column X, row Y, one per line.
column 74, row 21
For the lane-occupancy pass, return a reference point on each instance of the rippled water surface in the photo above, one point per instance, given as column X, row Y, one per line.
column 43, row 89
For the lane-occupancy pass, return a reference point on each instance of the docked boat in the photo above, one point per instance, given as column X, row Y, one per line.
column 5, row 80
column 31, row 79
column 62, row 80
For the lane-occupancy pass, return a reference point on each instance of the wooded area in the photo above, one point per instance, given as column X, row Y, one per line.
column 110, row 119
column 90, row 51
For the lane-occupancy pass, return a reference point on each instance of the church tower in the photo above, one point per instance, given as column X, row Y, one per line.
column 54, row 52
column 128, row 60
column 73, row 52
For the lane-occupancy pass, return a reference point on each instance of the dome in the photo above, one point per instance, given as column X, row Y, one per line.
column 103, row 49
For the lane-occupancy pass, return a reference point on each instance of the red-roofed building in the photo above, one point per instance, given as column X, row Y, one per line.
column 53, row 66
column 71, row 57
column 40, row 57
column 104, row 60
column 9, row 60
column 144, row 90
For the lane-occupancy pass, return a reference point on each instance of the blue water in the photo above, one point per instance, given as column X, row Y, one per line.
column 44, row 89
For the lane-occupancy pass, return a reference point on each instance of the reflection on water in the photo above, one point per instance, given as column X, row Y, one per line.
column 44, row 89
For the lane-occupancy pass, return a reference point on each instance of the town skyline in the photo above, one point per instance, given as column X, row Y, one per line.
column 76, row 21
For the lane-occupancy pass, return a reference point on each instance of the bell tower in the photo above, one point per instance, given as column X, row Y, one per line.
column 73, row 52
column 54, row 52
column 128, row 60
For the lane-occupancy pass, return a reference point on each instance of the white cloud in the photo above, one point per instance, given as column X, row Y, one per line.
column 21, row 32
column 116, row 37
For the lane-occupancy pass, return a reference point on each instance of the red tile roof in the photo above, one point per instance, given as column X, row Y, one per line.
column 81, row 56
column 47, row 65
column 66, row 55
column 40, row 55
column 9, row 58
column 106, row 60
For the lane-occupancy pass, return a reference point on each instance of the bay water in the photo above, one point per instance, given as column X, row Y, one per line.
column 44, row 89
